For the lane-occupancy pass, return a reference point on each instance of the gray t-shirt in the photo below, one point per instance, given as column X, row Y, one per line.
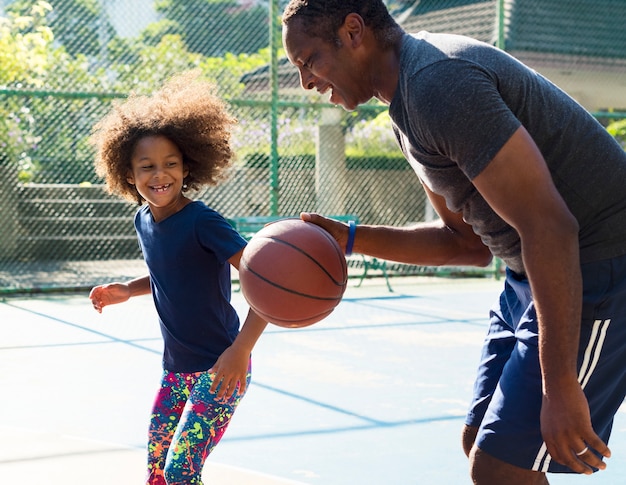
column 457, row 103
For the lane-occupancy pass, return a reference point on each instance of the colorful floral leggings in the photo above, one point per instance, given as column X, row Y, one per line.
column 187, row 423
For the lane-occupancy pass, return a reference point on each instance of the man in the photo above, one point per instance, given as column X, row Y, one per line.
column 516, row 169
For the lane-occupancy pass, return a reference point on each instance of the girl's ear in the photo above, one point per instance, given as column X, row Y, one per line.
column 129, row 178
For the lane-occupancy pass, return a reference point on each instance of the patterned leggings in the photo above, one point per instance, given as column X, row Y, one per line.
column 187, row 423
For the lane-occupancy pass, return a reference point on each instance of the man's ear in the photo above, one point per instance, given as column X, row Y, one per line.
column 353, row 27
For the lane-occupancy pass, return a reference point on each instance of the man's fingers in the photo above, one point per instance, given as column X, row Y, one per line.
column 588, row 458
column 582, row 457
column 595, row 443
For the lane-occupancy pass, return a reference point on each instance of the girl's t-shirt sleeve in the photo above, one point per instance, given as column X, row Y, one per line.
column 215, row 234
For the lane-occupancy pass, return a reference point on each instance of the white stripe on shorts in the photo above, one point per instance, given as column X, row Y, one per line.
column 590, row 360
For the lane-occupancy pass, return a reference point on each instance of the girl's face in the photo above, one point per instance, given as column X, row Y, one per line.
column 157, row 172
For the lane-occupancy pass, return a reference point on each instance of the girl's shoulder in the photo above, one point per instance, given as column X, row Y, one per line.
column 200, row 209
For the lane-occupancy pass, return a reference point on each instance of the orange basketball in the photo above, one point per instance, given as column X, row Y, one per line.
column 293, row 273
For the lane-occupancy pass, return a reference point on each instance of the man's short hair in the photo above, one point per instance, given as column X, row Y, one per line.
column 322, row 18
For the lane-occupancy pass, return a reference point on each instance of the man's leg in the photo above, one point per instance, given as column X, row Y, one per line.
column 497, row 347
column 468, row 437
column 487, row 470
column 510, row 429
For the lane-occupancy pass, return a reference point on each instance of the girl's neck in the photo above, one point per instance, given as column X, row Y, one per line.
column 161, row 213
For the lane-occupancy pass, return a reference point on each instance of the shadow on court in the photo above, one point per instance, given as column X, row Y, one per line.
column 374, row 394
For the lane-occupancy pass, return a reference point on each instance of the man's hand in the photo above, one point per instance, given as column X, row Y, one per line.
column 337, row 229
column 567, row 432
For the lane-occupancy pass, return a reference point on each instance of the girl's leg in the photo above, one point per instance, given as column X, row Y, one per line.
column 201, row 427
column 166, row 411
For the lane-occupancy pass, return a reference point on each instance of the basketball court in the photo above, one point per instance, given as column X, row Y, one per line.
column 374, row 394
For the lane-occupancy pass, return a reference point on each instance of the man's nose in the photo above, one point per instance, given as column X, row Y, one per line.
column 307, row 79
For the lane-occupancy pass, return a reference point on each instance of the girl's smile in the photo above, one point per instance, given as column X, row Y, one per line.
column 158, row 174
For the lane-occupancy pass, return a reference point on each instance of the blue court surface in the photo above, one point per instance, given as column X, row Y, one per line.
column 374, row 394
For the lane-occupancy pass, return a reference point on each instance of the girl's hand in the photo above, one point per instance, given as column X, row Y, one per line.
column 112, row 293
column 231, row 373
column 109, row 294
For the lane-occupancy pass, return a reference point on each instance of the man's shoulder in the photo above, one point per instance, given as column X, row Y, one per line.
column 424, row 48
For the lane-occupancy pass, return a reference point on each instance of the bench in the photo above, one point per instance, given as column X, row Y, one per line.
column 359, row 265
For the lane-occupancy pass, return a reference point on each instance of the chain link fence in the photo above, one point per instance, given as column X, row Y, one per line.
column 63, row 62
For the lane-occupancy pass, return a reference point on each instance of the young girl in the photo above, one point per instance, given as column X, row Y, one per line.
column 152, row 150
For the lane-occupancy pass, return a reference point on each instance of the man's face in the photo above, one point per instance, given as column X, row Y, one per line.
column 327, row 66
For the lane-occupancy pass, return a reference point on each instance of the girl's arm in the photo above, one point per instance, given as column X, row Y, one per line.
column 113, row 293
column 231, row 368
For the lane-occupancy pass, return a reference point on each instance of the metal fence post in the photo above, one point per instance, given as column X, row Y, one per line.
column 275, row 42
column 8, row 212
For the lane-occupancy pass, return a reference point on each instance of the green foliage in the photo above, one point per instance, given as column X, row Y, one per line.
column 24, row 44
column 32, row 127
column 150, row 65
column 227, row 71
column 207, row 26
column 78, row 25
column 372, row 138
column 252, row 137
column 68, row 46
column 25, row 40
column 154, row 32
column 618, row 130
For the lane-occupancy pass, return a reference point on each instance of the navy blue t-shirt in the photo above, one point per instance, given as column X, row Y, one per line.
column 187, row 257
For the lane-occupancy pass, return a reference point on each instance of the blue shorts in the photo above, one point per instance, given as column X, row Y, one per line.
column 507, row 392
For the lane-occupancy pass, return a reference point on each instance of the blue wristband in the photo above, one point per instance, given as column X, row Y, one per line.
column 351, row 234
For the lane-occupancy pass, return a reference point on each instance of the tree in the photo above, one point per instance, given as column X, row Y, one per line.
column 215, row 27
column 24, row 43
column 80, row 26
column 39, row 130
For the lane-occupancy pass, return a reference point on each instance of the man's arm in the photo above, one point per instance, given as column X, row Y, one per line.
column 518, row 186
column 447, row 241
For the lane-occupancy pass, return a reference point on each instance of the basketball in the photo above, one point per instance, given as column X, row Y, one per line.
column 293, row 273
